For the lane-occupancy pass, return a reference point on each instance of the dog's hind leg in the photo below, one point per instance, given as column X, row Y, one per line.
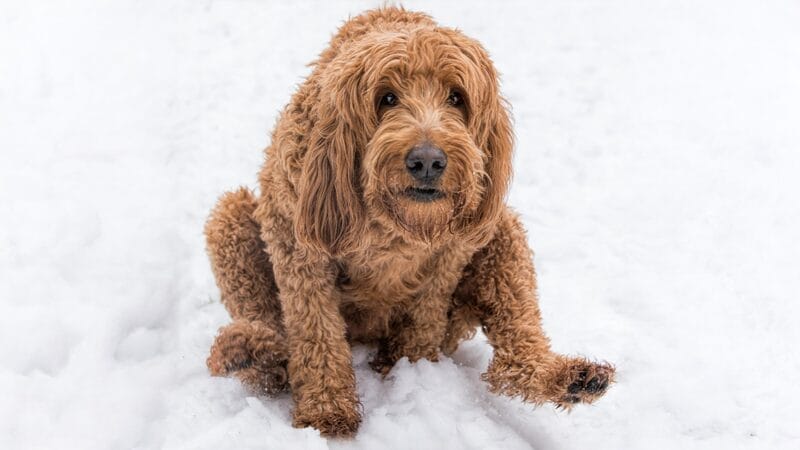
column 253, row 347
column 240, row 261
column 499, row 289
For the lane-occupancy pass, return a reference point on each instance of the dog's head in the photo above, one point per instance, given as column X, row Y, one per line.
column 411, row 132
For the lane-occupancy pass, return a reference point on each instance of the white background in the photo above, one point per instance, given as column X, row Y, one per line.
column 657, row 169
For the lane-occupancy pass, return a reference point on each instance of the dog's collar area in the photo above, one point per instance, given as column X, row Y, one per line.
column 424, row 194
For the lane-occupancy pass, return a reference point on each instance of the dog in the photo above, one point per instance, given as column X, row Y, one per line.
column 381, row 220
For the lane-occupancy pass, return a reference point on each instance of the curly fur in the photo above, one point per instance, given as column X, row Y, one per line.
column 334, row 252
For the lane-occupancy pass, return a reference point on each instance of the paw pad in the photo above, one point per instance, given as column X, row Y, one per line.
column 588, row 383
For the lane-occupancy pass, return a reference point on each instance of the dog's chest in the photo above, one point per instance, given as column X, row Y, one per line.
column 386, row 279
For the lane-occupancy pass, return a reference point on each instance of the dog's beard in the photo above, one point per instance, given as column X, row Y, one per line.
column 425, row 221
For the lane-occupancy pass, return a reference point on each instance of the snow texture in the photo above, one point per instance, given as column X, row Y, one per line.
column 657, row 170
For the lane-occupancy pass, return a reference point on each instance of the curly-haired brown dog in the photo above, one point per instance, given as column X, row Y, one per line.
column 382, row 220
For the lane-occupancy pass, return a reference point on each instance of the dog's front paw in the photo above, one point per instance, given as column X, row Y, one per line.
column 562, row 380
column 581, row 381
column 392, row 350
column 338, row 417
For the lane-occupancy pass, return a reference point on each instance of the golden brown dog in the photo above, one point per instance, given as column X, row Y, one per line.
column 381, row 220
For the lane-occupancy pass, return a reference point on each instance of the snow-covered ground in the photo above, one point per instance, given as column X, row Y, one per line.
column 657, row 170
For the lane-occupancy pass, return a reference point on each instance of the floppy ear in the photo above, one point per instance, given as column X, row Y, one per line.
column 490, row 123
column 498, row 143
column 330, row 213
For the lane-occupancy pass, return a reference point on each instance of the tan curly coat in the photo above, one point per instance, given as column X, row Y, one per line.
column 336, row 250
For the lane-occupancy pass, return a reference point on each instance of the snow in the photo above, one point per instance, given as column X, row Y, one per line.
column 656, row 170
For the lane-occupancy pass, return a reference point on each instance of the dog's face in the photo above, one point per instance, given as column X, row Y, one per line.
column 417, row 138
column 422, row 166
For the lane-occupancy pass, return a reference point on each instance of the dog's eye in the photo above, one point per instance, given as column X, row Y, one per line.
column 455, row 99
column 388, row 99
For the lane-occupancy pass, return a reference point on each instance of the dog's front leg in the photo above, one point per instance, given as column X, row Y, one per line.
column 499, row 285
column 320, row 363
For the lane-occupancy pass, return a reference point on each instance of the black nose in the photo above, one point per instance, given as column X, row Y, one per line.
column 426, row 163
